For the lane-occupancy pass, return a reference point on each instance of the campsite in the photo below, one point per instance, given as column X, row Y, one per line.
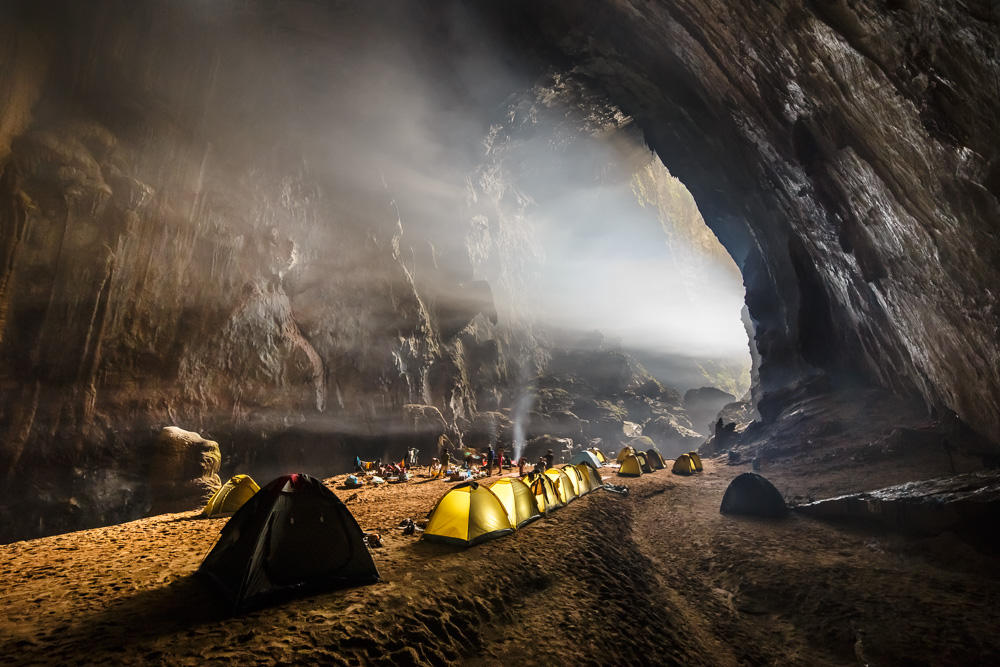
column 661, row 563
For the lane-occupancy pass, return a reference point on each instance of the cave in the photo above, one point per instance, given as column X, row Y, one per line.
column 302, row 231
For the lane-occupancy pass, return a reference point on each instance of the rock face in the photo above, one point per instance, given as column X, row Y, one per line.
column 183, row 471
column 968, row 504
column 176, row 245
column 703, row 406
column 844, row 152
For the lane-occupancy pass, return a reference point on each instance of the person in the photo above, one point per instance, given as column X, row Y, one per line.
column 413, row 456
column 549, row 459
column 491, row 458
column 500, row 460
column 445, row 458
column 523, row 461
column 540, row 466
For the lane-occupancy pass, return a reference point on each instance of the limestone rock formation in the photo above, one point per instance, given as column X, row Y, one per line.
column 183, row 471
column 703, row 406
column 671, row 437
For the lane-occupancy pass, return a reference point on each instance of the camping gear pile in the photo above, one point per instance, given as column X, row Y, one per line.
column 471, row 513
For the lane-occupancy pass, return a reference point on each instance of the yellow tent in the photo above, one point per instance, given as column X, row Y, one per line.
column 599, row 454
column 517, row 499
column 644, row 462
column 232, row 495
column 655, row 460
column 684, row 465
column 590, row 473
column 696, row 460
column 468, row 514
column 626, row 451
column 562, row 484
column 545, row 494
column 630, row 467
column 581, row 483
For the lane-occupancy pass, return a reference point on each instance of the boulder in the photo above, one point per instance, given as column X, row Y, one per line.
column 964, row 504
column 489, row 428
column 183, row 471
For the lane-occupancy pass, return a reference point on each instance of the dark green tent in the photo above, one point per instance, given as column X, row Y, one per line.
column 294, row 535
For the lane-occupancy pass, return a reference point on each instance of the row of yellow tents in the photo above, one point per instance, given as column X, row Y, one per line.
column 471, row 513
column 634, row 462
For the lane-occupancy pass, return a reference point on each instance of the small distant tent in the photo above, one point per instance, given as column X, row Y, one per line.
column 517, row 499
column 599, row 454
column 565, row 489
column 630, row 467
column 751, row 494
column 589, row 473
column 684, row 465
column 625, row 452
column 586, row 457
column 655, row 460
column 644, row 462
column 468, row 514
column 232, row 495
column 545, row 493
column 697, row 461
column 582, row 484
column 294, row 535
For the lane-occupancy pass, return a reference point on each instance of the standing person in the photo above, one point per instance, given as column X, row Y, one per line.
column 523, row 461
column 491, row 458
column 549, row 459
column 445, row 457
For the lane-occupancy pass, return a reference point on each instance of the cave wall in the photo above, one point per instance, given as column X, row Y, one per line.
column 175, row 249
column 845, row 152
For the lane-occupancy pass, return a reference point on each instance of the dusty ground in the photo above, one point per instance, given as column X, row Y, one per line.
column 657, row 578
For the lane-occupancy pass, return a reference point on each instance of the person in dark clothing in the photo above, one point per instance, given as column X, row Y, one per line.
column 549, row 459
column 491, row 458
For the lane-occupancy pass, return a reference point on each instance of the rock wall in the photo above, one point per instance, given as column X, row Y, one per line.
column 178, row 246
column 844, row 152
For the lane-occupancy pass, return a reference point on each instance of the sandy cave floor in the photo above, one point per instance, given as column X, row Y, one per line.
column 657, row 578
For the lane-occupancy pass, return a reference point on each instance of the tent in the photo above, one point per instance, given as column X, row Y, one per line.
column 586, row 457
column 630, row 467
column 697, row 461
column 599, row 454
column 644, row 462
column 545, row 494
column 294, row 535
column 684, row 465
column 590, row 473
column 517, row 499
column 581, row 484
column 468, row 514
column 751, row 494
column 565, row 488
column 626, row 451
column 655, row 460
column 232, row 495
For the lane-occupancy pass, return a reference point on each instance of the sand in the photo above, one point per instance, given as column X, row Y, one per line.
column 659, row 577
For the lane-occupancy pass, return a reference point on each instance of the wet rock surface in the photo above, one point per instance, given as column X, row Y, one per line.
column 183, row 471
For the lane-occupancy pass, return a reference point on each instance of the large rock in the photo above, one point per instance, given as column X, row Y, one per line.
column 967, row 504
column 703, row 406
column 183, row 471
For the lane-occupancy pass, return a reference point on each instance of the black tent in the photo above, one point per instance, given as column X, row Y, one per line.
column 751, row 494
column 294, row 535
